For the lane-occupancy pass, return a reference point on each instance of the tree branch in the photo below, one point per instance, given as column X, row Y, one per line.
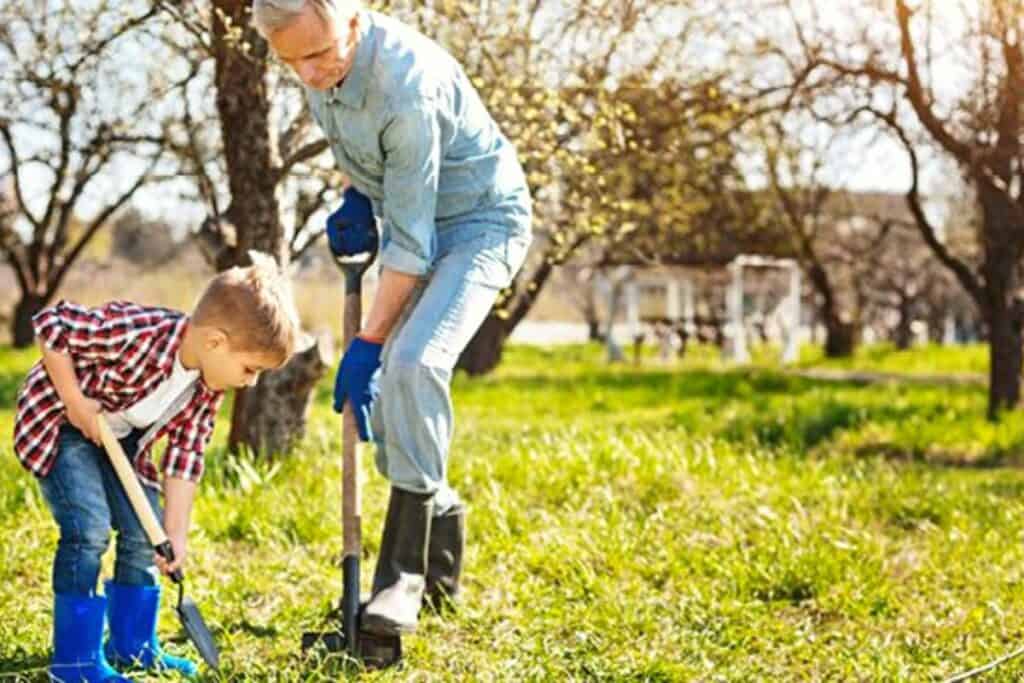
column 917, row 97
column 306, row 206
column 1008, row 129
column 100, row 46
column 94, row 150
column 960, row 269
column 304, row 153
column 19, row 195
column 57, row 277
column 65, row 112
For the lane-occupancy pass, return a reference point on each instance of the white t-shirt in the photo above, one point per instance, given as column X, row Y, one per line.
column 152, row 407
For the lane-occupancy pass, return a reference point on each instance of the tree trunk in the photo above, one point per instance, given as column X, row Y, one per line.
column 904, row 335
column 1004, row 360
column 840, row 337
column 1003, row 307
column 483, row 353
column 22, row 333
column 591, row 315
column 271, row 416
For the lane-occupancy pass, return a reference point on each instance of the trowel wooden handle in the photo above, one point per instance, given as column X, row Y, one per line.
column 130, row 483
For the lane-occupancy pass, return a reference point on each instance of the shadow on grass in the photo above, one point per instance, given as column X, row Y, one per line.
column 318, row 664
column 10, row 382
column 692, row 383
column 21, row 665
column 246, row 626
column 988, row 460
column 761, row 407
column 709, row 384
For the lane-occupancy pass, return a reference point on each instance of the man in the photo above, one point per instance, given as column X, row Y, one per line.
column 411, row 133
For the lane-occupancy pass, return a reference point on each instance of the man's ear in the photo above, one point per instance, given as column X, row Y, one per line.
column 353, row 27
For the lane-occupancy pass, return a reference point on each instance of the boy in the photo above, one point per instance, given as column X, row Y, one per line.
column 154, row 372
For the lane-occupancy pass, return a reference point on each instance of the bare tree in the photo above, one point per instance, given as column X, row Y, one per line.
column 553, row 76
column 248, row 145
column 794, row 167
column 903, row 283
column 892, row 71
column 79, row 135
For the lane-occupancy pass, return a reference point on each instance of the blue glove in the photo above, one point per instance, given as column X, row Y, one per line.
column 350, row 229
column 353, row 382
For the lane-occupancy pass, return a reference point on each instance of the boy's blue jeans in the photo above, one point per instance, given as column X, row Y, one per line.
column 87, row 501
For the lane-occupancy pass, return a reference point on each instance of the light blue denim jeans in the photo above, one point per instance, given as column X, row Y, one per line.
column 87, row 501
column 412, row 416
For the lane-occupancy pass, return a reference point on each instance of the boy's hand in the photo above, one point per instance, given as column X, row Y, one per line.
column 178, row 544
column 178, row 497
column 82, row 412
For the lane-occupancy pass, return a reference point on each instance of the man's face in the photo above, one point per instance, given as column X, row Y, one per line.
column 320, row 52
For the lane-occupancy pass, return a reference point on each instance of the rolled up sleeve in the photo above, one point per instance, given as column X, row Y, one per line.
column 412, row 162
column 97, row 333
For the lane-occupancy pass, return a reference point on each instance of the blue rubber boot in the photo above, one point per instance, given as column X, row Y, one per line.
column 132, row 615
column 77, row 637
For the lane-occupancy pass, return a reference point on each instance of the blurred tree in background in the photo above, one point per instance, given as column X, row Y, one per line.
column 941, row 78
column 622, row 142
column 80, row 132
column 671, row 132
column 142, row 241
column 246, row 143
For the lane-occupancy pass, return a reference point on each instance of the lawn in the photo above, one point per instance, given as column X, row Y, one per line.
column 653, row 523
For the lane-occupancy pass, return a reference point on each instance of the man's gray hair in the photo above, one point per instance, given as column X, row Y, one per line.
column 270, row 16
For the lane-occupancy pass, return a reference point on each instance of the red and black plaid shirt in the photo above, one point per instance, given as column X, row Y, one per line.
column 121, row 352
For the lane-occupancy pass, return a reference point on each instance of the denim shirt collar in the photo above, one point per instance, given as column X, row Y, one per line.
column 352, row 91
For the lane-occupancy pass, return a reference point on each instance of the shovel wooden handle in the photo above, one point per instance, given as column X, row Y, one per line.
column 353, row 267
column 351, row 498
column 136, row 496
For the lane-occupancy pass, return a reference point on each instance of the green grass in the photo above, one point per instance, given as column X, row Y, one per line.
column 931, row 360
column 692, row 522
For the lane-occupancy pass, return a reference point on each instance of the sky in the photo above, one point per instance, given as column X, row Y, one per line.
column 877, row 163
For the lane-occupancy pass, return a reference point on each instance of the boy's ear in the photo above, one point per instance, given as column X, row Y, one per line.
column 214, row 338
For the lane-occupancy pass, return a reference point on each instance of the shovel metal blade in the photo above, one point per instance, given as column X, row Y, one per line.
column 198, row 632
column 332, row 641
column 375, row 652
column 379, row 652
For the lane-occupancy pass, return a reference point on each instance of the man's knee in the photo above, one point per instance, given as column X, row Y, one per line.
column 408, row 377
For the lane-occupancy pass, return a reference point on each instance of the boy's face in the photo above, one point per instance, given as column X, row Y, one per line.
column 319, row 52
column 225, row 368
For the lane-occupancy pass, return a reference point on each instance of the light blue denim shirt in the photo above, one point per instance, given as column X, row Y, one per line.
column 410, row 131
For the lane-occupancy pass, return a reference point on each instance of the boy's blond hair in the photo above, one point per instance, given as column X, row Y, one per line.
column 254, row 307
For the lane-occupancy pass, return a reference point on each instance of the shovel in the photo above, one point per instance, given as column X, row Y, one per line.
column 374, row 651
column 188, row 612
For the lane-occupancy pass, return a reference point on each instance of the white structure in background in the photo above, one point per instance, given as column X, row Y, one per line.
column 789, row 310
column 624, row 287
column 616, row 285
column 949, row 337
